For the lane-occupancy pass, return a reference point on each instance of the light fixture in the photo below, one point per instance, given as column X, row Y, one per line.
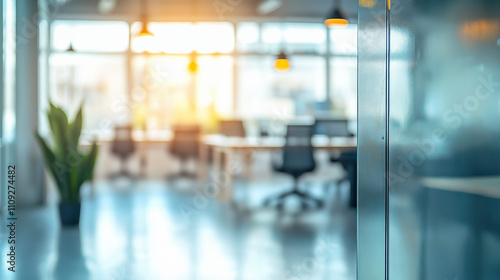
column 336, row 17
column 144, row 30
column 193, row 65
column 282, row 64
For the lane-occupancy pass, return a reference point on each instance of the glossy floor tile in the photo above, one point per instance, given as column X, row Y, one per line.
column 157, row 230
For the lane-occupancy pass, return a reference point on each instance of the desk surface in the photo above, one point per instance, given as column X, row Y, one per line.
column 318, row 141
column 486, row 186
column 141, row 137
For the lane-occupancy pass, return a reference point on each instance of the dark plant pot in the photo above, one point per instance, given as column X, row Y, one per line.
column 69, row 212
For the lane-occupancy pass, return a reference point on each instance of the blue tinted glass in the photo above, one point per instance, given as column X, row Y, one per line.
column 444, row 135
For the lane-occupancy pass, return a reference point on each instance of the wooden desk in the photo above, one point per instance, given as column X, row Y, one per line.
column 227, row 147
column 143, row 142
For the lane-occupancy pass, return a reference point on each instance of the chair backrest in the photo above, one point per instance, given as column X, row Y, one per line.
column 298, row 152
column 123, row 144
column 232, row 128
column 333, row 128
column 185, row 142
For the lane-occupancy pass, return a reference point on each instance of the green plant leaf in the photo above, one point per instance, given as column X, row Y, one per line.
column 86, row 171
column 58, row 121
column 51, row 164
column 75, row 129
column 68, row 166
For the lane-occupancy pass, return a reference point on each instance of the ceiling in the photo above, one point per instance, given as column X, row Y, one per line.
column 224, row 10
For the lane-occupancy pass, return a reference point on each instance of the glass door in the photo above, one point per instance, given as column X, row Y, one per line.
column 444, row 140
column 429, row 147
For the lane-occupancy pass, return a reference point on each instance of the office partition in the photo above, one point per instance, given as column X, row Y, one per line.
column 433, row 184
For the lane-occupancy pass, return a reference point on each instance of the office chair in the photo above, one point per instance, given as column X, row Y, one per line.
column 332, row 128
column 349, row 161
column 123, row 146
column 232, row 128
column 297, row 159
column 185, row 145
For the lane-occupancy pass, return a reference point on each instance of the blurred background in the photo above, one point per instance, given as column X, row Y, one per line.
column 226, row 134
column 222, row 139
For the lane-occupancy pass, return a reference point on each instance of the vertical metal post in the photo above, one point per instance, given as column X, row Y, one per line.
column 30, row 179
column 2, row 106
column 372, row 141
column 328, row 68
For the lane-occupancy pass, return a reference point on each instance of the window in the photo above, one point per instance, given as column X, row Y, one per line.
column 343, row 83
column 293, row 37
column 152, row 87
column 294, row 91
column 184, row 38
column 97, row 80
column 165, row 92
column 343, row 71
column 90, row 36
column 344, row 40
column 248, row 36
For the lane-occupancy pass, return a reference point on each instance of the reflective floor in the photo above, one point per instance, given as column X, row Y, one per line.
column 153, row 230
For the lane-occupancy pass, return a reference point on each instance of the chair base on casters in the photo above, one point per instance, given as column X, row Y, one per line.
column 183, row 171
column 303, row 196
column 123, row 173
column 181, row 175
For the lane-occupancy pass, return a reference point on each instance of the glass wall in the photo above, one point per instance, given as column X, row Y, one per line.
column 429, row 140
column 444, row 140
column 217, row 70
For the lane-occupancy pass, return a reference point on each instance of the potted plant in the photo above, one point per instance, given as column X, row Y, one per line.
column 68, row 166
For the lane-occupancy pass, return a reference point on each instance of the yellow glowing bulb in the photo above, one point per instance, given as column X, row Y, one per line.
column 144, row 31
column 282, row 65
column 336, row 22
column 193, row 66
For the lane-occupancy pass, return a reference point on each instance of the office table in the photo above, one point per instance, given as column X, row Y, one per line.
column 227, row 147
column 143, row 141
column 460, row 217
column 488, row 186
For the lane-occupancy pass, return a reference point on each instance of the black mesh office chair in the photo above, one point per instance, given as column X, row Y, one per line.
column 123, row 146
column 185, row 145
column 297, row 159
column 332, row 128
column 232, row 128
column 348, row 160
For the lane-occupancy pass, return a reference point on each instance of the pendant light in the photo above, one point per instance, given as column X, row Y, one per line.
column 193, row 65
column 144, row 31
column 282, row 64
column 336, row 17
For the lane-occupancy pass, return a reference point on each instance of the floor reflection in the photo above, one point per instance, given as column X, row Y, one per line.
column 143, row 231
